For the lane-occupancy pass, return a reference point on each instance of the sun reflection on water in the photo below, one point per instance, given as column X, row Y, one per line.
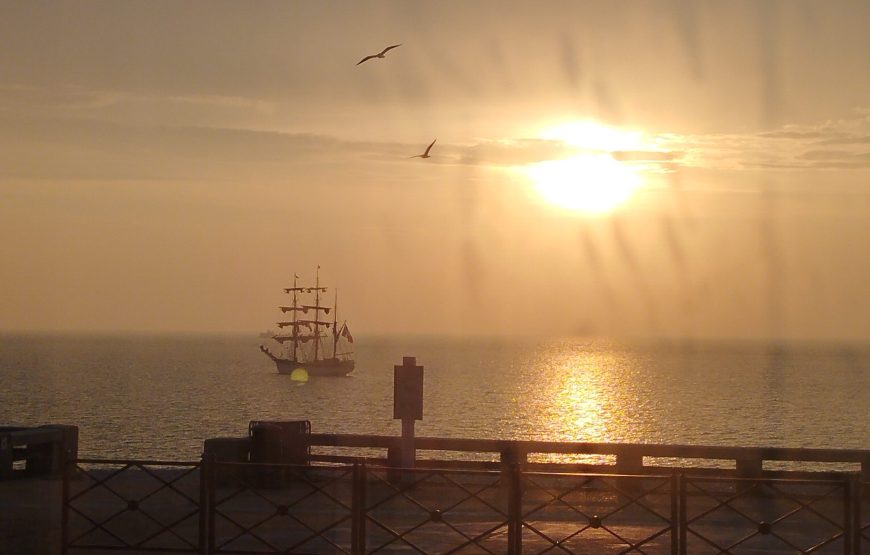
column 581, row 406
column 580, row 398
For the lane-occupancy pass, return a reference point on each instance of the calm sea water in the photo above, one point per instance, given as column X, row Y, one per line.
column 160, row 396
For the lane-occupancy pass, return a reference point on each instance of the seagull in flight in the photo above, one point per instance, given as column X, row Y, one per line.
column 381, row 54
column 425, row 154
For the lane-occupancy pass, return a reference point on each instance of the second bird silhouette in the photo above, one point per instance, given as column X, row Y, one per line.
column 380, row 54
column 425, row 154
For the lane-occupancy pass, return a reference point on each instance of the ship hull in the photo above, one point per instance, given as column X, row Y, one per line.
column 323, row 367
column 327, row 367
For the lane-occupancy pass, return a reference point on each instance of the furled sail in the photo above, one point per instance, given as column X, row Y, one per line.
column 297, row 323
column 314, row 322
column 298, row 338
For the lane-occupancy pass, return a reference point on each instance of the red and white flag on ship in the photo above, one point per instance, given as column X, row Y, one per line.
column 345, row 332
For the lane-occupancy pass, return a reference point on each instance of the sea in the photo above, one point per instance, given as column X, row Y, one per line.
column 159, row 396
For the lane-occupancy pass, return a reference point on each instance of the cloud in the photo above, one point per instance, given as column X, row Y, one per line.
column 645, row 155
column 513, row 152
column 521, row 152
column 790, row 147
column 71, row 101
column 825, row 154
column 791, row 134
column 72, row 148
column 861, row 140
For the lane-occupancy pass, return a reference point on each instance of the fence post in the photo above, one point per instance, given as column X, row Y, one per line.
column 515, row 510
column 208, row 471
column 358, row 510
column 203, row 507
column 675, row 514
column 69, row 465
column 857, row 500
column 851, row 543
column 683, row 515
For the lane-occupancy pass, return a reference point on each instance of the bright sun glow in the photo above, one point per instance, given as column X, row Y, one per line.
column 594, row 136
column 589, row 183
column 592, row 181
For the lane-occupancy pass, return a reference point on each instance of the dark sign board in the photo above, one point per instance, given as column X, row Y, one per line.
column 408, row 390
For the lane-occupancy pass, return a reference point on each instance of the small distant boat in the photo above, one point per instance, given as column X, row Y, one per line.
column 303, row 347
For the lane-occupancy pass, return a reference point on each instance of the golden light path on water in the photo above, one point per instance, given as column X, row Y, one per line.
column 579, row 400
column 566, row 389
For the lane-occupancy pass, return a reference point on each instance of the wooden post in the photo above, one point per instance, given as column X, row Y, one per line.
column 408, row 404
column 203, row 503
column 749, row 468
column 629, row 462
column 512, row 475
column 865, row 470
column 358, row 510
column 6, row 457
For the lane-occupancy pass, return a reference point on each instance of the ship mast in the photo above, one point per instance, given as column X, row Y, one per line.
column 316, row 312
column 295, row 327
column 335, row 325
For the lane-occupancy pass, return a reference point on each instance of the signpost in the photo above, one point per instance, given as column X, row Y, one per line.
column 408, row 404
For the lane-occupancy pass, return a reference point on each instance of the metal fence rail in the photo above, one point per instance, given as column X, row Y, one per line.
column 271, row 508
column 132, row 506
column 585, row 513
column 246, row 508
column 434, row 511
column 727, row 515
column 861, row 516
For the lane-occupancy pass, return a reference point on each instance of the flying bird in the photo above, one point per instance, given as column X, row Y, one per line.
column 425, row 154
column 381, row 54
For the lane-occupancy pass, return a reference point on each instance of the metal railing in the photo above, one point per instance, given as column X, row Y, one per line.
column 724, row 515
column 274, row 508
column 571, row 513
column 132, row 506
column 245, row 508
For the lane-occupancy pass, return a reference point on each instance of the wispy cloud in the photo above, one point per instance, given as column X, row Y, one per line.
column 792, row 147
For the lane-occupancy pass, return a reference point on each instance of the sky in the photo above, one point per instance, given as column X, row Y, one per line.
column 673, row 169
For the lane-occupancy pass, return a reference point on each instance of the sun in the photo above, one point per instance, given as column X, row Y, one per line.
column 592, row 181
column 588, row 183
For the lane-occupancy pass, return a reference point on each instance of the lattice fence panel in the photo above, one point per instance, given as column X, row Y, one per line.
column 759, row 516
column 577, row 513
column 135, row 506
column 423, row 511
column 262, row 508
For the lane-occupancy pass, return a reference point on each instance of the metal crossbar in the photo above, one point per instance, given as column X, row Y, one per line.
column 743, row 515
column 861, row 510
column 604, row 509
column 244, row 508
column 121, row 500
column 403, row 507
column 264, row 512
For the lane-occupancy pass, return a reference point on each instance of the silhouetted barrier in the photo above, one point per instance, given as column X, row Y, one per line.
column 133, row 506
column 153, row 506
column 311, row 510
column 40, row 450
column 791, row 516
column 619, row 458
column 280, row 442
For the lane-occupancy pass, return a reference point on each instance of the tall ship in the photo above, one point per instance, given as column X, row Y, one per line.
column 309, row 340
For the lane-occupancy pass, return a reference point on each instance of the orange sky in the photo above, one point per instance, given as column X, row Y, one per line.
column 168, row 166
